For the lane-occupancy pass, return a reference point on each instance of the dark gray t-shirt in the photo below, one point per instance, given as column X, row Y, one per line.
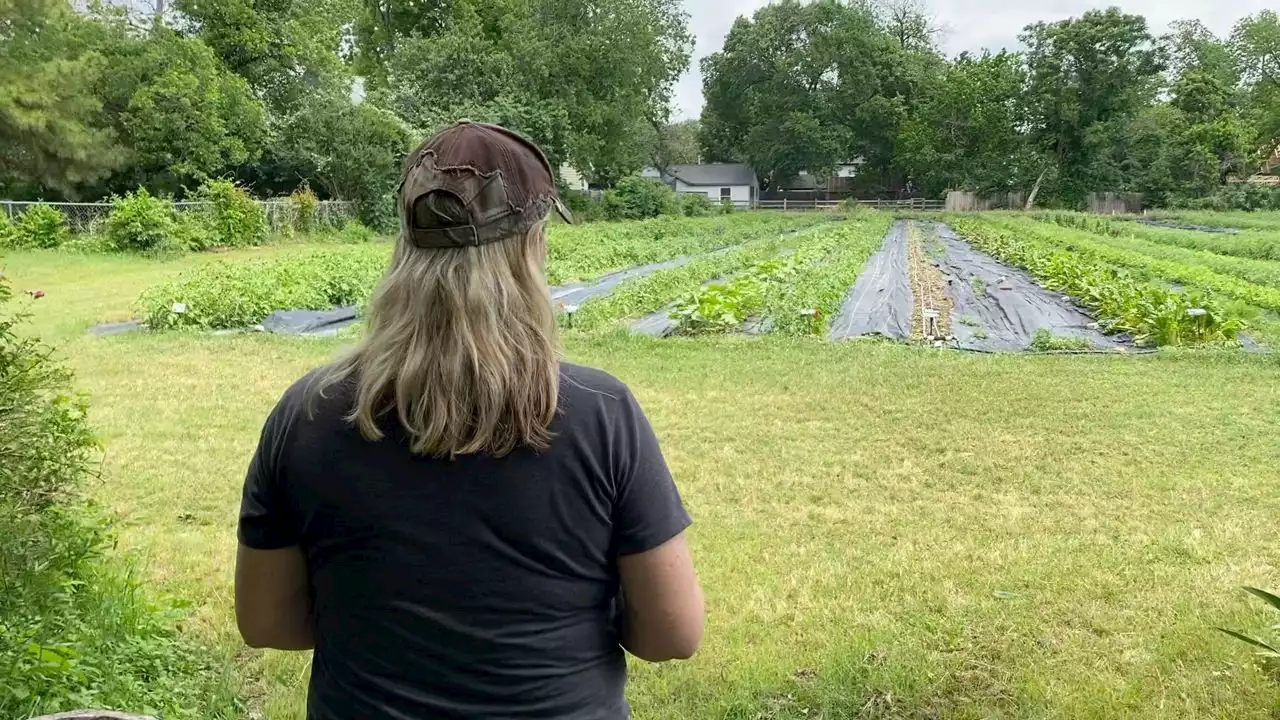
column 478, row 587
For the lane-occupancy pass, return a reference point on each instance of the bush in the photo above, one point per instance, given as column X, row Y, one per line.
column 74, row 629
column 696, row 205
column 41, row 226
column 1244, row 196
column 6, row 231
column 139, row 221
column 727, row 207
column 355, row 233
column 304, row 206
column 637, row 198
column 233, row 217
column 585, row 208
column 228, row 295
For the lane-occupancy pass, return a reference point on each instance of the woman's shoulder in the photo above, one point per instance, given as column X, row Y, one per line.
column 582, row 381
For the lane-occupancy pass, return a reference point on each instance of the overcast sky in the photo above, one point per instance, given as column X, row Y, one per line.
column 969, row 25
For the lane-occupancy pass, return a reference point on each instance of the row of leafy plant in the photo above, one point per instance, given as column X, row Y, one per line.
column 653, row 292
column 1252, row 245
column 1261, row 221
column 587, row 251
column 76, row 628
column 795, row 294
column 227, row 295
column 1120, row 300
column 1146, row 260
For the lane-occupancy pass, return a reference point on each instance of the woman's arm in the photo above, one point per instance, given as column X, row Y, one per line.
column 664, row 612
column 273, row 599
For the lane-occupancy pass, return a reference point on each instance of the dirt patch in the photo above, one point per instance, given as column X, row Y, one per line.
column 931, row 311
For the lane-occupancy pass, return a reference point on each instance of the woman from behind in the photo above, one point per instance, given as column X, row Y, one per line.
column 460, row 524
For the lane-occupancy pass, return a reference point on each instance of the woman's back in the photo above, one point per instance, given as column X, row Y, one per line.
column 459, row 524
column 466, row 587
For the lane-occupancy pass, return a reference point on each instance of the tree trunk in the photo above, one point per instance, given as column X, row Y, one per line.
column 1035, row 190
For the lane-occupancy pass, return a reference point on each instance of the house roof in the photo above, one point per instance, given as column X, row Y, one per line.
column 714, row 174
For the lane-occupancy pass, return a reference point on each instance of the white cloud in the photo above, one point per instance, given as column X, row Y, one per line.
column 969, row 25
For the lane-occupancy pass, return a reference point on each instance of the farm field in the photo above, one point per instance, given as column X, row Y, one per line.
column 884, row 530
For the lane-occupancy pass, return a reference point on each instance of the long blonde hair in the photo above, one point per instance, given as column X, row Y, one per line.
column 461, row 347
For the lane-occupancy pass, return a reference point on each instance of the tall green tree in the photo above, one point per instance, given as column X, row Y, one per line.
column 969, row 131
column 177, row 112
column 1256, row 45
column 52, row 135
column 1088, row 77
column 579, row 76
column 803, row 86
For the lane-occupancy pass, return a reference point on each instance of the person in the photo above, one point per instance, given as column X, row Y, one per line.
column 460, row 524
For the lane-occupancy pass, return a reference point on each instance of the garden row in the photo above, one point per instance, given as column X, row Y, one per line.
column 791, row 284
column 223, row 215
column 1126, row 290
column 227, row 294
column 1256, row 243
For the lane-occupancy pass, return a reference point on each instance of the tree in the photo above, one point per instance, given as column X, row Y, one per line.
column 352, row 151
column 800, row 87
column 1088, row 76
column 969, row 132
column 284, row 49
column 579, row 76
column 51, row 134
column 179, row 115
column 675, row 144
column 1256, row 46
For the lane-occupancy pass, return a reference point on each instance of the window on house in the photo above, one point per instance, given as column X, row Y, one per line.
column 726, row 193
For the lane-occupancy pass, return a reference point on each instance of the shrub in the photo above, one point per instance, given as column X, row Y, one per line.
column 637, row 198
column 74, row 629
column 304, row 206
column 139, row 221
column 41, row 226
column 584, row 207
column 726, row 206
column 1242, row 196
column 695, row 205
column 233, row 217
column 6, row 231
column 191, row 231
column 228, row 295
column 355, row 233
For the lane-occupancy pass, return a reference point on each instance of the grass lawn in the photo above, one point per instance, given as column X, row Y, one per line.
column 882, row 531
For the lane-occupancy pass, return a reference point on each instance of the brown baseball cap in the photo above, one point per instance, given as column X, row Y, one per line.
column 502, row 179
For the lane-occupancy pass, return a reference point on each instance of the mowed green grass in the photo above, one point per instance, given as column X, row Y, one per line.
column 882, row 531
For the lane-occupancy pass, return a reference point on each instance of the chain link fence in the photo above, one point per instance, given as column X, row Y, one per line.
column 281, row 214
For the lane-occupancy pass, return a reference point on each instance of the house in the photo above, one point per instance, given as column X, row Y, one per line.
column 718, row 181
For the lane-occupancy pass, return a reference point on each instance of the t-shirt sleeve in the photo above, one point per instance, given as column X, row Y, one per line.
column 266, row 518
column 647, row 508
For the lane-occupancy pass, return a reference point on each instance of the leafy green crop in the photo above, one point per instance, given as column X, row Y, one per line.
column 1121, row 301
column 653, row 292
column 1258, row 250
column 226, row 295
column 587, row 251
column 1146, row 262
column 807, row 304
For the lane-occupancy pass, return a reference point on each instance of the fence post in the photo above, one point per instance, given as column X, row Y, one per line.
column 784, row 204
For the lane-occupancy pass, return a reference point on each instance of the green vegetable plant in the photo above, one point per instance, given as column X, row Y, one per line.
column 1045, row 341
column 1120, row 300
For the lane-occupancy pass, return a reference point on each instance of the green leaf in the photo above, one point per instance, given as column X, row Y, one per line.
column 1267, row 597
column 1252, row 641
